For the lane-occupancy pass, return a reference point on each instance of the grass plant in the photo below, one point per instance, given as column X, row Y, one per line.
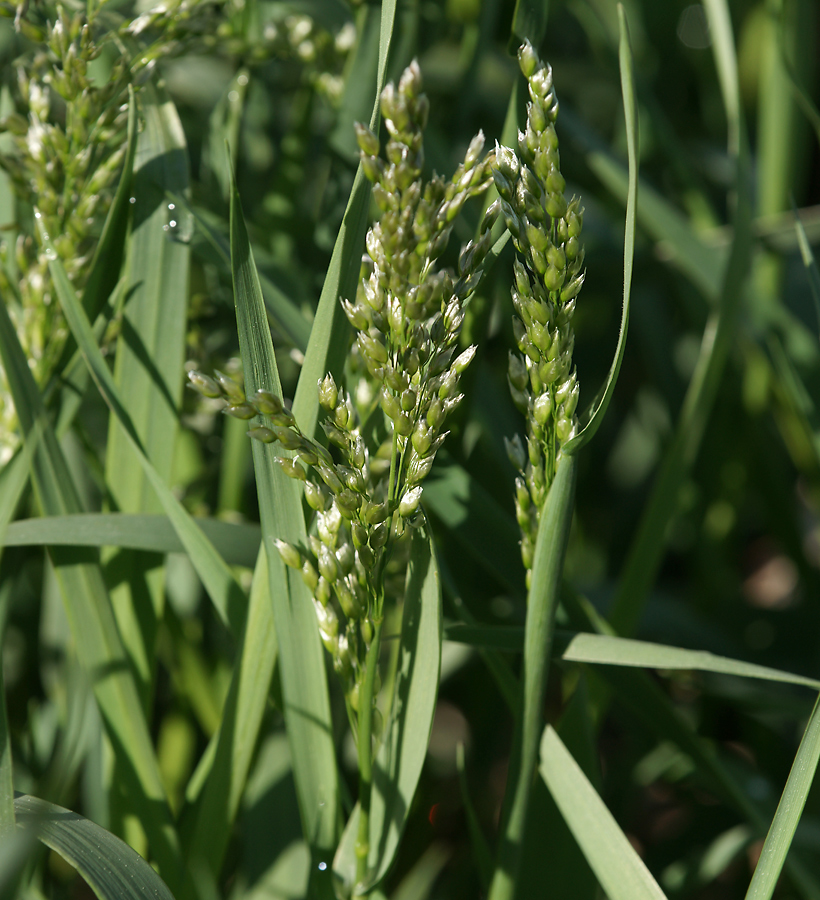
column 481, row 559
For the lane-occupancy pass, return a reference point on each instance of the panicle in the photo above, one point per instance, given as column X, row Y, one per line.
column 548, row 275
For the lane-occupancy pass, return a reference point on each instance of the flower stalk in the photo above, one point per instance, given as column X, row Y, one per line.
column 547, row 278
column 383, row 432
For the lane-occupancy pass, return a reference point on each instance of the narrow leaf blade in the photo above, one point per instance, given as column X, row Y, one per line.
column 112, row 869
column 301, row 665
column 617, row 866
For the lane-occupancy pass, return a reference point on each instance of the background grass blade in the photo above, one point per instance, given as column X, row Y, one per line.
column 398, row 763
column 601, row 402
column 327, row 348
column 645, row 553
column 228, row 597
column 148, row 368
column 217, row 805
column 238, row 544
column 779, row 839
column 301, row 663
column 620, row 871
column 90, row 615
column 112, row 869
column 608, row 650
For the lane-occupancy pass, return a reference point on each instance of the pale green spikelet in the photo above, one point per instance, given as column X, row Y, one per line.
column 548, row 274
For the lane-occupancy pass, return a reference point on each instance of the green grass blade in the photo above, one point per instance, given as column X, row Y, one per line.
column 148, row 369
column 620, row 871
column 328, row 346
column 723, row 48
column 110, row 867
column 602, row 649
column 779, row 839
column 647, row 547
column 150, row 349
column 217, row 804
column 631, row 116
column 542, row 602
column 238, row 544
column 398, row 763
column 89, row 612
column 227, row 596
column 301, row 656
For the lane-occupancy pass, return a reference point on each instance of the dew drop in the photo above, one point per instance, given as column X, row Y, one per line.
column 171, row 206
column 322, row 866
column 132, row 199
column 50, row 254
column 233, row 96
column 165, row 228
column 37, row 215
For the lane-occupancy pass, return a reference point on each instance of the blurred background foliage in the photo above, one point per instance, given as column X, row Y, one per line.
column 739, row 575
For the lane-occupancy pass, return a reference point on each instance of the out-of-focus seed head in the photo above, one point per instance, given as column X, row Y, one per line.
column 204, row 384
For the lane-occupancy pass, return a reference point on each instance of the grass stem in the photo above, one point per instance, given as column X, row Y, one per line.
column 553, row 532
column 365, row 749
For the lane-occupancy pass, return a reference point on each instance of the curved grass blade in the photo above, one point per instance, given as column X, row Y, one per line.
column 301, row 656
column 328, row 346
column 602, row 649
column 89, row 611
column 601, row 402
column 238, row 544
column 620, row 871
column 398, row 763
column 227, row 596
column 110, row 867
column 542, row 602
column 779, row 839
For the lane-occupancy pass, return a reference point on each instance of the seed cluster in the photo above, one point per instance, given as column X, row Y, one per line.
column 66, row 148
column 383, row 435
column 548, row 276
